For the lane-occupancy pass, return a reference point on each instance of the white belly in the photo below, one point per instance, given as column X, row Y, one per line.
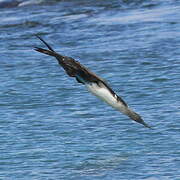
column 104, row 94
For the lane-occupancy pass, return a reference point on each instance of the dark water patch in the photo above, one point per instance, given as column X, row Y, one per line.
column 26, row 24
column 9, row 4
column 160, row 79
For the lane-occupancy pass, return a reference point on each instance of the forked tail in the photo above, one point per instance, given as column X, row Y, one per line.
column 50, row 52
column 45, row 51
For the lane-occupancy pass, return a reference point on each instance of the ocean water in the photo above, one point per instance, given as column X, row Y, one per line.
column 51, row 128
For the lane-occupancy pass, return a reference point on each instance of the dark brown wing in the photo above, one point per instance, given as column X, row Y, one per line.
column 74, row 69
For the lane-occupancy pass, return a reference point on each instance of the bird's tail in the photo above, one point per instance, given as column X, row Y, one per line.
column 49, row 52
column 49, row 47
column 136, row 117
column 45, row 51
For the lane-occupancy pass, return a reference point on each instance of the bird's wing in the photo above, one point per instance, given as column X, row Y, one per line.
column 72, row 67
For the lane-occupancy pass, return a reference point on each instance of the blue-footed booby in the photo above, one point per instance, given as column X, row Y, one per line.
column 94, row 84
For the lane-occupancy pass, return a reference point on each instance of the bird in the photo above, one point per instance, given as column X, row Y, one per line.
column 96, row 85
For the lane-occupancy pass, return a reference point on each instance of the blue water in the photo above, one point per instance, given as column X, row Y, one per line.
column 52, row 128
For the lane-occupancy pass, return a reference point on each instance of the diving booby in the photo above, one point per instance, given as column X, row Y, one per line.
column 94, row 84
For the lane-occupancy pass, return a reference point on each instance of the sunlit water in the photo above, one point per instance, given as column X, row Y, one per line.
column 52, row 128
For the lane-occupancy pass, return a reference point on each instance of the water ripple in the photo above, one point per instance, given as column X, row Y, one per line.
column 52, row 128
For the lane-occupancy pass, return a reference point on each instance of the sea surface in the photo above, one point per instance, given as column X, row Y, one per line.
column 52, row 128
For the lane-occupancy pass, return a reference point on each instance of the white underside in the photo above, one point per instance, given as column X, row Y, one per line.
column 104, row 94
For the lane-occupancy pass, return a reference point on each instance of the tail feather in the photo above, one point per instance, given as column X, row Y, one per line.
column 50, row 52
column 49, row 47
column 44, row 51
